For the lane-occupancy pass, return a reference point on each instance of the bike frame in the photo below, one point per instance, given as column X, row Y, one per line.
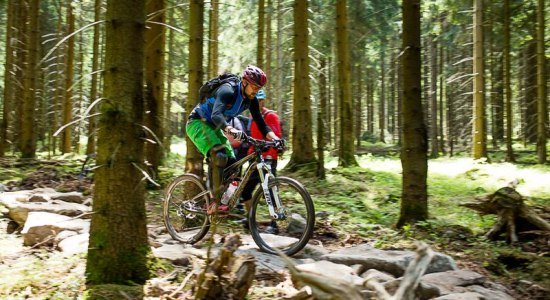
column 264, row 171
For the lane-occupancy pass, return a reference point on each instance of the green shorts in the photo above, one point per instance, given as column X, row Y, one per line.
column 205, row 136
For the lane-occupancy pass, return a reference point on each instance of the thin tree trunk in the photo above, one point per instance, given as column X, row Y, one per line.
column 346, row 156
column 66, row 135
column 154, row 83
column 213, row 39
column 382, row 107
column 542, row 109
column 358, row 105
column 507, row 85
column 480, row 128
column 194, row 159
column 434, row 130
column 322, row 118
column 260, row 55
column 268, row 41
column 90, row 147
column 9, row 81
column 302, row 141
column 28, row 130
column 414, row 198
column 119, row 248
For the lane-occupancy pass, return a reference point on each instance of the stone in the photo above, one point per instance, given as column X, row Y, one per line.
column 391, row 261
column 72, row 197
column 74, row 244
column 489, row 294
column 461, row 296
column 39, row 198
column 173, row 253
column 43, row 227
column 381, row 277
column 450, row 279
column 332, row 271
column 19, row 211
column 297, row 224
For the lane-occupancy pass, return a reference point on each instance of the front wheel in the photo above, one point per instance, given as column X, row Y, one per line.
column 184, row 209
column 290, row 232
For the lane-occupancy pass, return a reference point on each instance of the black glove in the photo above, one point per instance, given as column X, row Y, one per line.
column 237, row 134
column 280, row 145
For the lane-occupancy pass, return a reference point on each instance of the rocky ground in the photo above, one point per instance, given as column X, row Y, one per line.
column 44, row 234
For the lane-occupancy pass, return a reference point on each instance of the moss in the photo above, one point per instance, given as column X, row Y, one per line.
column 114, row 291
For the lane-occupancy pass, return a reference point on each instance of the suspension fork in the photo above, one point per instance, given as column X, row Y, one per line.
column 265, row 176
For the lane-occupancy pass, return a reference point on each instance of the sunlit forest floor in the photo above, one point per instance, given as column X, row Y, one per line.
column 362, row 204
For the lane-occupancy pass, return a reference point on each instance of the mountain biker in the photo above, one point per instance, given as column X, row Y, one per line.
column 270, row 156
column 209, row 120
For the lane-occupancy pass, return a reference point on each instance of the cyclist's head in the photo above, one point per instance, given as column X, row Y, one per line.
column 255, row 75
column 261, row 95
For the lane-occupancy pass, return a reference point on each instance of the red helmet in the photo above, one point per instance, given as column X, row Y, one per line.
column 255, row 75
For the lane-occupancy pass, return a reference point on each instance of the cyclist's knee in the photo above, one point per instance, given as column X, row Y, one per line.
column 218, row 156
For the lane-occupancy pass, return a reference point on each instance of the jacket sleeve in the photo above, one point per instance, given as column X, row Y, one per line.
column 257, row 117
column 224, row 96
column 272, row 120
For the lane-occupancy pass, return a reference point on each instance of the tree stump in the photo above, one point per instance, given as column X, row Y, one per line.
column 227, row 276
column 513, row 214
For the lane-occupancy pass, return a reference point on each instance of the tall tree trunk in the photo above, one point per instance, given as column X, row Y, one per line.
column 414, row 197
column 213, row 39
column 329, row 101
column 173, row 124
column 21, row 66
column 542, row 108
column 530, row 92
column 279, row 57
column 194, row 158
column 442, row 90
column 322, row 117
column 268, row 44
column 66, row 135
column 480, row 128
column 90, row 147
column 28, row 130
column 346, row 149
column 358, row 105
column 434, row 142
column 118, row 235
column 154, row 82
column 507, row 84
column 302, row 141
column 382, row 107
column 260, row 54
column 9, row 81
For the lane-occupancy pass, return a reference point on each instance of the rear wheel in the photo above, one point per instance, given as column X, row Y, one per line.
column 184, row 209
column 291, row 231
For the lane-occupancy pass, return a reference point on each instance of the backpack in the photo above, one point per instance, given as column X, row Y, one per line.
column 207, row 89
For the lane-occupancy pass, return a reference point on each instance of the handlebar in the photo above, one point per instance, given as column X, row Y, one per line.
column 279, row 145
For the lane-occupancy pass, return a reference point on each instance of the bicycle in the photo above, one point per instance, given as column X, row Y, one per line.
column 282, row 200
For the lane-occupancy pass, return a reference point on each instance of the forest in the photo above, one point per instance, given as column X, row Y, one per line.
column 411, row 124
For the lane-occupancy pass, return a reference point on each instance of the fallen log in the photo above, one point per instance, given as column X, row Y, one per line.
column 513, row 215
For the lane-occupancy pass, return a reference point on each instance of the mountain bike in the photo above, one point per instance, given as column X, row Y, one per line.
column 279, row 202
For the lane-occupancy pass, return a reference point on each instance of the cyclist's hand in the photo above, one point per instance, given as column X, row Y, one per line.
column 237, row 134
column 280, row 145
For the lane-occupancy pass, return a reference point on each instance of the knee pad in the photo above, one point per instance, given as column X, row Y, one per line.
column 218, row 157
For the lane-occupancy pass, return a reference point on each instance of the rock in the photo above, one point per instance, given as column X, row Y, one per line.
column 297, row 224
column 450, row 279
column 64, row 234
column 391, row 261
column 381, row 277
column 42, row 227
column 423, row 291
column 332, row 270
column 74, row 244
column 461, row 296
column 489, row 294
column 19, row 211
column 73, row 197
column 173, row 253
column 39, row 198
